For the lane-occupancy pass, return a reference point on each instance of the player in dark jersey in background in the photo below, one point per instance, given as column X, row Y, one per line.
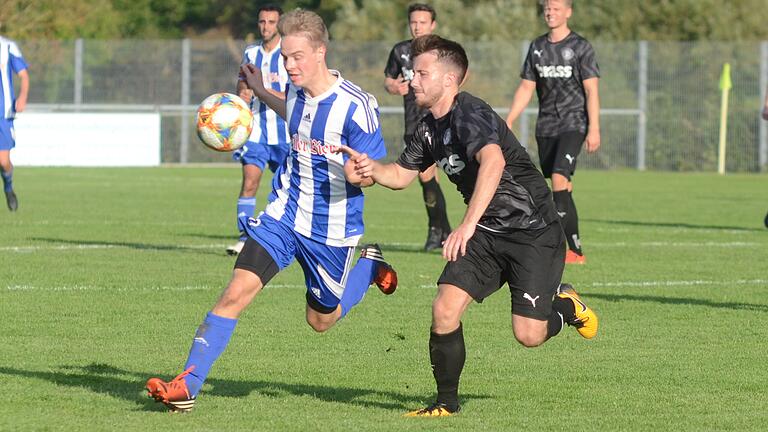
column 562, row 68
column 398, row 74
column 510, row 232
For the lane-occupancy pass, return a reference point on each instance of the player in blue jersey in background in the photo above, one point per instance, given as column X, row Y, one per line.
column 314, row 215
column 268, row 143
column 11, row 62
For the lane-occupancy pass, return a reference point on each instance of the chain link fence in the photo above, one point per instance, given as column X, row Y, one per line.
column 660, row 100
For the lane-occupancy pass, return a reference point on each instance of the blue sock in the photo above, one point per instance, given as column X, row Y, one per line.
column 245, row 207
column 360, row 278
column 210, row 340
column 7, row 181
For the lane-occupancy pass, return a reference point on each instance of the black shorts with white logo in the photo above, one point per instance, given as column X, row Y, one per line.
column 558, row 154
column 530, row 261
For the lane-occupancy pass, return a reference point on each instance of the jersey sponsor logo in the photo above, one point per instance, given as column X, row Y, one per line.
column 555, row 71
column 313, row 146
column 531, row 299
column 567, row 53
column 451, row 164
column 273, row 77
column 538, row 53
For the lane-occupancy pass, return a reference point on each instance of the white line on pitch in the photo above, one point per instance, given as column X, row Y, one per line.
column 129, row 289
column 106, row 246
column 669, row 283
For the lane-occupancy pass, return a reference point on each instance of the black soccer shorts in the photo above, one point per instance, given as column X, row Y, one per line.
column 558, row 154
column 531, row 262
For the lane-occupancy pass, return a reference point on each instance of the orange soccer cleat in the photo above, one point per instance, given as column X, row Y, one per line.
column 174, row 394
column 386, row 276
column 572, row 257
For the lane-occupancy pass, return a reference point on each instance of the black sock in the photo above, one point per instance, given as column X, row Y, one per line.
column 568, row 218
column 447, row 355
column 434, row 201
column 563, row 311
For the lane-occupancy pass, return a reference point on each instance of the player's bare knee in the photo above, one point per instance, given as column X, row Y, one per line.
column 444, row 318
column 318, row 325
column 530, row 338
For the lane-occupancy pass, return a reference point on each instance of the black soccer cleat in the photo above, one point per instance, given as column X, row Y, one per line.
column 10, row 199
column 435, row 239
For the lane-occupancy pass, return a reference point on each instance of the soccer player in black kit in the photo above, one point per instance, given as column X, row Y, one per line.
column 510, row 232
column 398, row 73
column 561, row 67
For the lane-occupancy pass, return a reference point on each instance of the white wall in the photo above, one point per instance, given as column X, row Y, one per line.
column 87, row 139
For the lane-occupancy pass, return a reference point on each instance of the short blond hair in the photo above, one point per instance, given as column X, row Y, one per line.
column 305, row 23
column 568, row 3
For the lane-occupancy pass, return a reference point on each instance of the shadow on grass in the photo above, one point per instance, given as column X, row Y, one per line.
column 109, row 380
column 130, row 245
column 673, row 225
column 231, row 238
column 680, row 301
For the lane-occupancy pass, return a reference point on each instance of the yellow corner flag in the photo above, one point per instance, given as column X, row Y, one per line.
column 725, row 87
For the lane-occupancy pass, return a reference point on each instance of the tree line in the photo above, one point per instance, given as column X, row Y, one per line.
column 385, row 20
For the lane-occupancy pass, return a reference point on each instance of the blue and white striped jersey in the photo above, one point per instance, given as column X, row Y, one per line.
column 11, row 61
column 309, row 191
column 268, row 127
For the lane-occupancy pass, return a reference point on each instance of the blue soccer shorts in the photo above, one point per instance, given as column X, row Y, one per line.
column 261, row 155
column 325, row 267
column 7, row 134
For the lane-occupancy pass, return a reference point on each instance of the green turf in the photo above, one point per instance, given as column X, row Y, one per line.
column 106, row 273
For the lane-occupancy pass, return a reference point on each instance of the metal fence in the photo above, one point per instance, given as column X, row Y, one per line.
column 660, row 100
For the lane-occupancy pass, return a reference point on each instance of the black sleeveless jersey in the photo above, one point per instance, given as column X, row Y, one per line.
column 559, row 70
column 522, row 199
column 401, row 64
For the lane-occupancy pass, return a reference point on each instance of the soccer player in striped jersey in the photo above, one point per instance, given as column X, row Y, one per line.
column 11, row 62
column 314, row 214
column 268, row 143
column 562, row 68
column 398, row 73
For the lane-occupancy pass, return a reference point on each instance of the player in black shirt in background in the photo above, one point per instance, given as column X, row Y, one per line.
column 561, row 67
column 398, row 73
column 510, row 232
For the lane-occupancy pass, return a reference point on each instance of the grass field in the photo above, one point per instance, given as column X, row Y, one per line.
column 106, row 273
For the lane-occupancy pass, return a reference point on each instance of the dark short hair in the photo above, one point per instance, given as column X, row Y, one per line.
column 422, row 7
column 447, row 51
column 270, row 8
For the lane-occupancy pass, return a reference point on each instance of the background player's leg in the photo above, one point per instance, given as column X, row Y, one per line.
column 246, row 202
column 6, row 171
column 566, row 208
column 434, row 201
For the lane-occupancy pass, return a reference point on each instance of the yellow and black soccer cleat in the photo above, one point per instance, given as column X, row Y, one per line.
column 586, row 321
column 434, row 410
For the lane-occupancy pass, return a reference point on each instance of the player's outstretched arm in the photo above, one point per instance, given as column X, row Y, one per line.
column 592, row 141
column 523, row 95
column 359, row 168
column 254, row 80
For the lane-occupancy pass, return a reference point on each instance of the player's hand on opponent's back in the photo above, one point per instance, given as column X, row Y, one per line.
column 456, row 242
column 358, row 168
column 252, row 76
